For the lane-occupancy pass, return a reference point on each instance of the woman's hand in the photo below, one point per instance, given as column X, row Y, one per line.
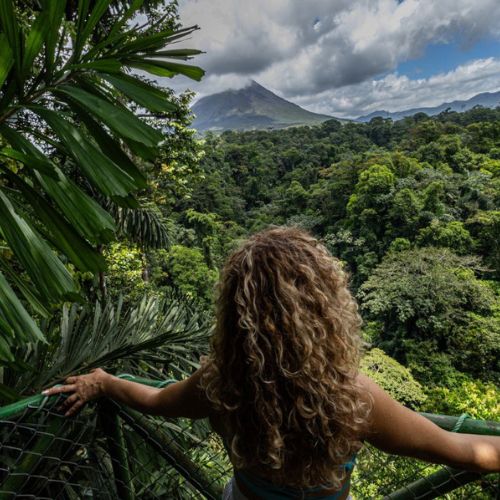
column 84, row 388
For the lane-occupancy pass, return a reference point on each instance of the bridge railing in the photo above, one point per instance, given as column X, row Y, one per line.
column 109, row 451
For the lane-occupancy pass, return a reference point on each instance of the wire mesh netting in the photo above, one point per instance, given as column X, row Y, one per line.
column 44, row 455
column 109, row 451
column 380, row 475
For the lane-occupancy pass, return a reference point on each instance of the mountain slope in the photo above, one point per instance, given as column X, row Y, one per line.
column 252, row 107
column 487, row 100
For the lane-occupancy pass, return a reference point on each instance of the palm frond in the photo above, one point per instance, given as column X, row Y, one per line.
column 67, row 89
column 145, row 226
column 156, row 330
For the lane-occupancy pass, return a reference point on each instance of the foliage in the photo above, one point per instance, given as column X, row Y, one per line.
column 477, row 399
column 190, row 273
column 64, row 119
column 424, row 295
column 166, row 333
column 393, row 377
column 451, row 235
column 408, row 206
column 125, row 271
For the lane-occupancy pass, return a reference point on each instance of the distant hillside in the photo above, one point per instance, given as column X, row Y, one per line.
column 487, row 100
column 252, row 107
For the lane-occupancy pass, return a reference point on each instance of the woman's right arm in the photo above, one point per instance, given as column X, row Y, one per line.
column 398, row 430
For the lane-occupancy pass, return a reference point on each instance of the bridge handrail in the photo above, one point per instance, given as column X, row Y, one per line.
column 447, row 422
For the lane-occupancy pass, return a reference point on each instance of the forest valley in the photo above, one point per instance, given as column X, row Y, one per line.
column 412, row 208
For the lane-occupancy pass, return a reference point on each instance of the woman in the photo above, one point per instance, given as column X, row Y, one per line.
column 281, row 384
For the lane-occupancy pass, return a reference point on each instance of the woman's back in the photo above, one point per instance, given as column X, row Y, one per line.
column 282, row 380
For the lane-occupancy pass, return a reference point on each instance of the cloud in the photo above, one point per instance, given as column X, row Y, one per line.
column 396, row 92
column 248, row 37
column 308, row 49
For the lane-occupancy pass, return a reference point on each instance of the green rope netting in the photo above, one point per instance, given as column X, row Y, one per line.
column 109, row 451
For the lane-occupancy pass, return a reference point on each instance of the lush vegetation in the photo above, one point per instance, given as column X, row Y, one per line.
column 84, row 143
column 88, row 149
column 411, row 208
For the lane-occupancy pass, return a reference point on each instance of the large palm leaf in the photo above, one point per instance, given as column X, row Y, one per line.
column 162, row 334
column 64, row 86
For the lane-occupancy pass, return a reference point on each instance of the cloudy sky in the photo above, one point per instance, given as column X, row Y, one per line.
column 348, row 57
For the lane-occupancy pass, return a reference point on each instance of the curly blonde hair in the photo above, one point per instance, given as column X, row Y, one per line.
column 284, row 360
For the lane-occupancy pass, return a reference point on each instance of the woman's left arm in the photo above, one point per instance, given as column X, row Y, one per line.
column 180, row 399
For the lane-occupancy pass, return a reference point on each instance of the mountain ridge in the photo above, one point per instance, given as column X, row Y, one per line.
column 254, row 107
column 485, row 99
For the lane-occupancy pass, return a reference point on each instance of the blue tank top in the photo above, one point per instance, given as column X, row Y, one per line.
column 270, row 491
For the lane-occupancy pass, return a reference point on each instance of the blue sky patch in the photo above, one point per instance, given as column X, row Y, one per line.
column 445, row 57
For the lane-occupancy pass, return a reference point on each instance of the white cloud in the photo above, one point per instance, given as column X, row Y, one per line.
column 398, row 92
column 310, row 49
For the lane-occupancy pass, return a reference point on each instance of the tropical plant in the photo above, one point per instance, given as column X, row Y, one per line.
column 393, row 377
column 67, row 136
column 167, row 333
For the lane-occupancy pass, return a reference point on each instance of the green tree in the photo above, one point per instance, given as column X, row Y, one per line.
column 423, row 295
column 64, row 88
column 485, row 226
column 190, row 274
column 452, row 235
column 368, row 205
column 433, row 198
column 374, row 182
column 296, row 198
column 396, row 379
column 404, row 213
